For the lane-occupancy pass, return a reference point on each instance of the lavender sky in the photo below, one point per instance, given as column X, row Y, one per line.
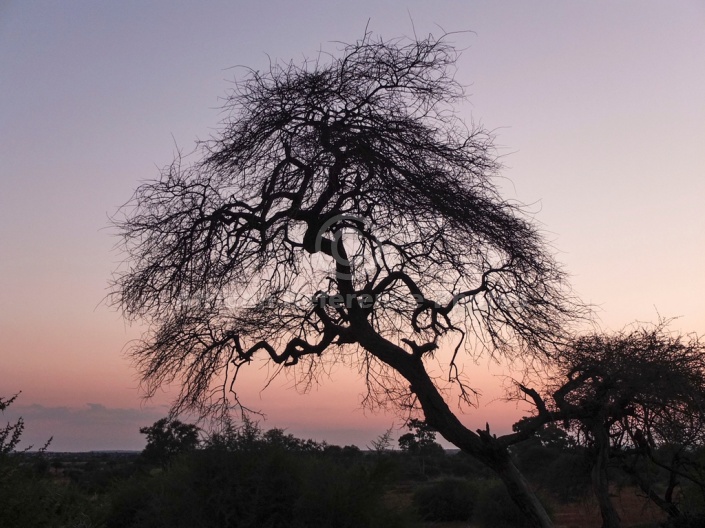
column 598, row 110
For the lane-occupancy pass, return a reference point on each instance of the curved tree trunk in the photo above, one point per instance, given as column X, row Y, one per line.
column 484, row 447
column 600, row 483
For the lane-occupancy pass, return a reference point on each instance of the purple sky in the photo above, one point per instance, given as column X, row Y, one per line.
column 598, row 108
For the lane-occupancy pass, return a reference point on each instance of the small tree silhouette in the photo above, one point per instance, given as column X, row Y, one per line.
column 11, row 434
column 166, row 439
column 383, row 442
column 421, row 439
column 623, row 395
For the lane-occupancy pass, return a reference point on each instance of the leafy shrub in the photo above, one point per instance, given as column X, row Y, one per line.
column 446, row 500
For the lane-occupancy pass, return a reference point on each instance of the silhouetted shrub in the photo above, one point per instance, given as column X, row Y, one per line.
column 691, row 503
column 495, row 509
column 27, row 496
column 130, row 499
column 567, row 477
column 270, row 487
column 30, row 500
column 166, row 439
column 463, row 465
column 446, row 500
column 565, row 473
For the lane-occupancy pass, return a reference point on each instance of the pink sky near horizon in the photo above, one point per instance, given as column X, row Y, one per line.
column 598, row 109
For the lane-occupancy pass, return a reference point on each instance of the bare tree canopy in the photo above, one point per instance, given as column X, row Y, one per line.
column 646, row 381
column 343, row 212
column 355, row 165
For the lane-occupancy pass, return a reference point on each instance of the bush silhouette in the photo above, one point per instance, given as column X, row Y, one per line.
column 449, row 499
column 496, row 509
column 269, row 487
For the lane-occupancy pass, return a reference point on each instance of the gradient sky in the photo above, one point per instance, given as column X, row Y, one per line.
column 598, row 108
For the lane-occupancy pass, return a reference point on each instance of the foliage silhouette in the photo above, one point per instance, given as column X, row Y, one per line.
column 247, row 478
column 446, row 500
column 635, row 399
column 422, row 439
column 553, row 461
column 166, row 439
column 27, row 497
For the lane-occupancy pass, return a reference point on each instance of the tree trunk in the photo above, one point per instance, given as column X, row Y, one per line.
column 600, row 483
column 484, row 447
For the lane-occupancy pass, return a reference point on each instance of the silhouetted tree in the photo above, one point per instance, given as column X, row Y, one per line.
column 553, row 460
column 250, row 437
column 550, row 435
column 625, row 395
column 383, row 442
column 167, row 438
column 25, row 497
column 421, row 439
column 342, row 213
column 11, row 434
